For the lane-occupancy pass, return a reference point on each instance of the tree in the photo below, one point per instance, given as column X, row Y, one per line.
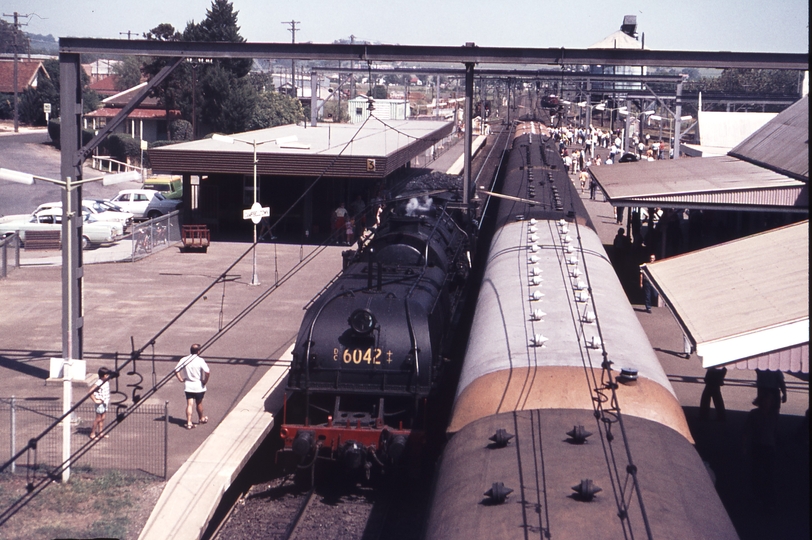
column 8, row 34
column 128, row 73
column 275, row 109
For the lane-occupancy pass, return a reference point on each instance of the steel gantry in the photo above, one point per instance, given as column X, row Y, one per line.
column 469, row 56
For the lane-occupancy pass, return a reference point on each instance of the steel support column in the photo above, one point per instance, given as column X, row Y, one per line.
column 469, row 125
column 314, row 98
column 677, row 121
column 72, row 271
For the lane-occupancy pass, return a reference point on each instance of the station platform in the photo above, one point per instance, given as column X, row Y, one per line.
column 123, row 301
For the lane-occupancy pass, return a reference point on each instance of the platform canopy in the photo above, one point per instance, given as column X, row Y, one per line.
column 745, row 302
column 768, row 171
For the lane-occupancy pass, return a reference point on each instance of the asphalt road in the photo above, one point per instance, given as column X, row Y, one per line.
column 31, row 151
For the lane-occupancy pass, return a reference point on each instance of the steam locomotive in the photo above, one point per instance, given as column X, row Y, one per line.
column 373, row 346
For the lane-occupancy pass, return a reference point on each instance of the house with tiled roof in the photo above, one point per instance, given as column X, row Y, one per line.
column 149, row 121
column 105, row 86
column 29, row 73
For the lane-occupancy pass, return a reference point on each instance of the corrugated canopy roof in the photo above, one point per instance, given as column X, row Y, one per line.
column 712, row 182
column 744, row 298
column 782, row 144
column 372, row 150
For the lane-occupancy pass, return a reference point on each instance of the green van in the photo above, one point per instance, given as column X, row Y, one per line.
column 171, row 187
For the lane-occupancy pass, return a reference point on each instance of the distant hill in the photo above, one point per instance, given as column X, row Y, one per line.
column 43, row 44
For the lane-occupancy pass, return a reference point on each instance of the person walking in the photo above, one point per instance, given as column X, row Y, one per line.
column 771, row 382
column 649, row 292
column 195, row 376
column 101, row 398
column 714, row 380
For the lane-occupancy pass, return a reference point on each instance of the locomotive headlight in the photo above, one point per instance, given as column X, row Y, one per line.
column 362, row 321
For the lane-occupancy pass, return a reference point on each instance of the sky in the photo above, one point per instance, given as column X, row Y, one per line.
column 697, row 25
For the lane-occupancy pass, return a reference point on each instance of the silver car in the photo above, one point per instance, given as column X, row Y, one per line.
column 144, row 203
column 94, row 232
column 100, row 209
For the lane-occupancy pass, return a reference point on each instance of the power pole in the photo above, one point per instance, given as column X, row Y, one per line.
column 292, row 31
column 352, row 74
column 128, row 33
column 16, row 91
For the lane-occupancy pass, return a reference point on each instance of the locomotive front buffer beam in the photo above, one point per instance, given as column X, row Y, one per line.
column 355, row 439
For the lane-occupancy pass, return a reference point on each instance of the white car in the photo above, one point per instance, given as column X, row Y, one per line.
column 100, row 209
column 94, row 232
column 144, row 203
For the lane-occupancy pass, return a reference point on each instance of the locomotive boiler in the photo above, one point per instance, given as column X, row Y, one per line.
column 373, row 346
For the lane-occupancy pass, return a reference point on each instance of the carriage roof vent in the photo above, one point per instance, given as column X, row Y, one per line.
column 501, row 438
column 578, row 435
column 586, row 490
column 498, row 493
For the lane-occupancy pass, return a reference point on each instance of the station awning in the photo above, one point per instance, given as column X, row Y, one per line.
column 721, row 183
column 745, row 302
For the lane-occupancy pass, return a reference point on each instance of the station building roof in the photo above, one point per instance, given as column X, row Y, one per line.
column 372, row 150
column 739, row 309
column 782, row 145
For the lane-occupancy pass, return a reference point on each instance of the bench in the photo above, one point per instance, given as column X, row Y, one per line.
column 43, row 240
column 195, row 238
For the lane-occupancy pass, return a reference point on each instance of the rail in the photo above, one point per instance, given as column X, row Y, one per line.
column 108, row 164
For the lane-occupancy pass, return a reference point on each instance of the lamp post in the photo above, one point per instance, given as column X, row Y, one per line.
column 257, row 212
column 71, row 296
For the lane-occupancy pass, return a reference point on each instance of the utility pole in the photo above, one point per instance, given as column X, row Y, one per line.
column 16, row 90
column 292, row 31
column 128, row 33
column 352, row 73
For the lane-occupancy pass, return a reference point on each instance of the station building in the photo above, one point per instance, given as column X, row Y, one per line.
column 302, row 172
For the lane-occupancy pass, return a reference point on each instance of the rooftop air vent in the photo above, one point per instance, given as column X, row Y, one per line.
column 627, row 375
column 501, row 438
column 498, row 493
column 538, row 340
column 578, row 435
column 536, row 295
column 586, row 490
column 588, row 317
column 537, row 315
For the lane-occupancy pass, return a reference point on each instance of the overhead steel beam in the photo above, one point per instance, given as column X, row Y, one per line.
column 420, row 53
column 512, row 73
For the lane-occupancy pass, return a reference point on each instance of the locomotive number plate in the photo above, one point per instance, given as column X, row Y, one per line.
column 357, row 356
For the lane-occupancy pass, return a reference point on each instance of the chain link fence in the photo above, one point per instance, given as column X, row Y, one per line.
column 140, row 443
column 155, row 235
column 9, row 254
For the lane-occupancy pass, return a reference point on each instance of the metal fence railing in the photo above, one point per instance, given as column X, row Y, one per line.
column 9, row 253
column 139, row 443
column 155, row 235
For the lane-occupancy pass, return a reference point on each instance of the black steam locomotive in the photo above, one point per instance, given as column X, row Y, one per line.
column 372, row 347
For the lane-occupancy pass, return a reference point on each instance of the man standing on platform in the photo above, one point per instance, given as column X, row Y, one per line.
column 194, row 378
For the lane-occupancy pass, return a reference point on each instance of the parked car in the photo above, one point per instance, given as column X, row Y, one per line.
column 171, row 187
column 102, row 210
column 144, row 203
column 94, row 232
